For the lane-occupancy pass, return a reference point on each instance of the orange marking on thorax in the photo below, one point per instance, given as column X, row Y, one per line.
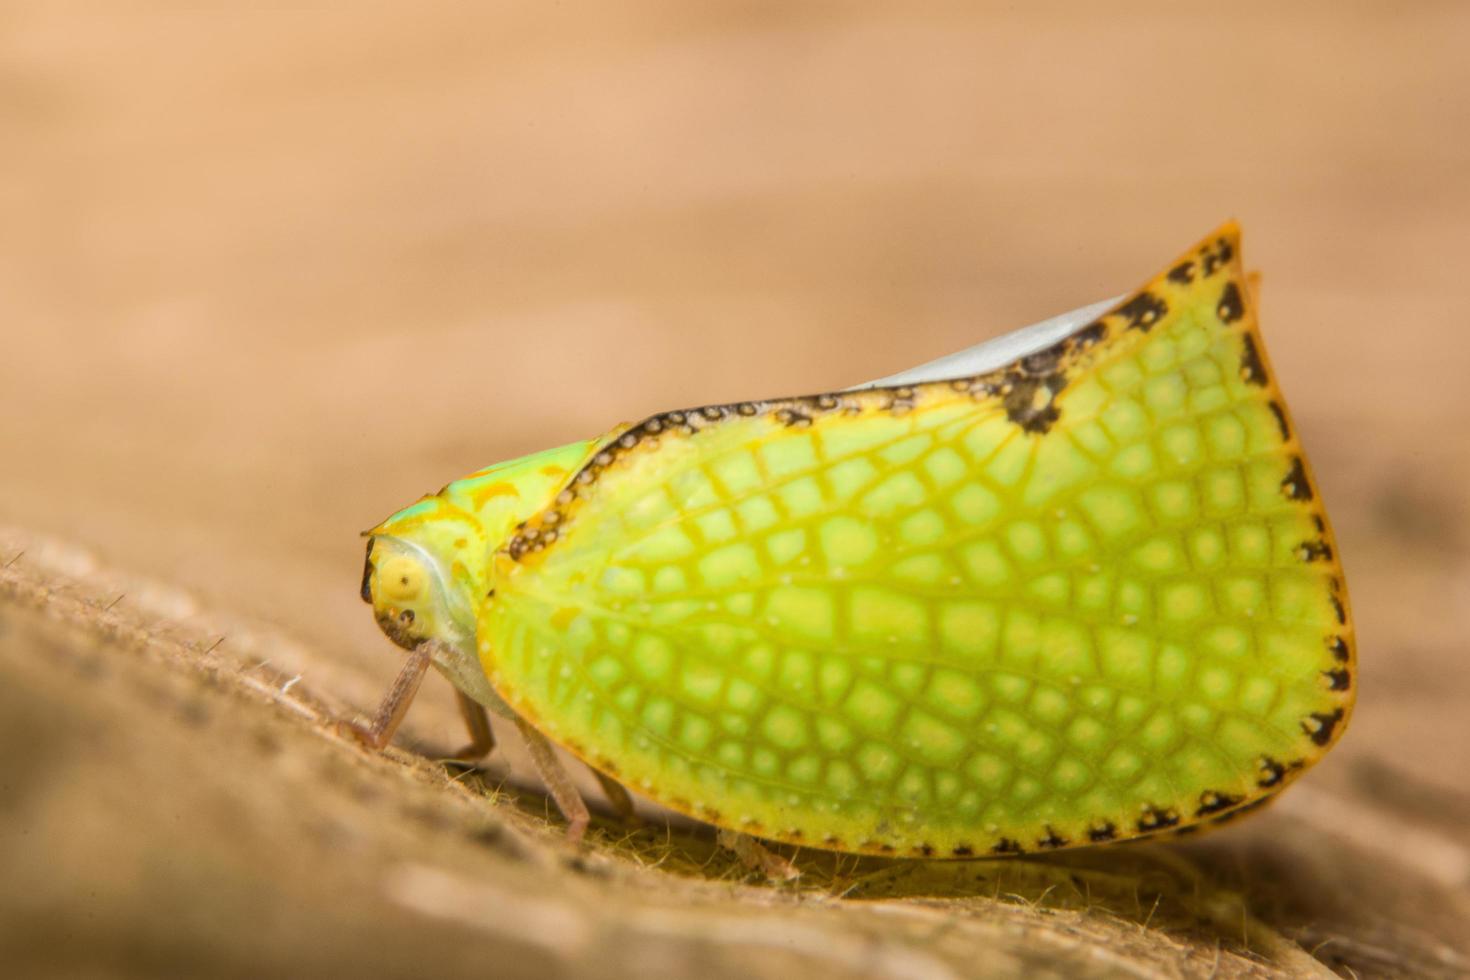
column 490, row 491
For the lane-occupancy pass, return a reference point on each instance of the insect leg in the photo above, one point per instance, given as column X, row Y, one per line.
column 617, row 796
column 756, row 856
column 395, row 703
column 482, row 738
column 557, row 781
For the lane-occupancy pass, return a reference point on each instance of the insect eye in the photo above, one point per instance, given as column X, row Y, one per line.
column 400, row 578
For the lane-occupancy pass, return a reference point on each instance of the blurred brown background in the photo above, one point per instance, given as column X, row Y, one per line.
column 267, row 275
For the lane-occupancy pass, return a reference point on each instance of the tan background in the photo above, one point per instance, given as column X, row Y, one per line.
column 267, row 276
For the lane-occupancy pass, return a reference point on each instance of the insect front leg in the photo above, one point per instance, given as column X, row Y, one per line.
column 558, row 782
column 394, row 706
column 477, row 720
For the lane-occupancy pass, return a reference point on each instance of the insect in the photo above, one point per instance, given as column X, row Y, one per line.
column 1069, row 587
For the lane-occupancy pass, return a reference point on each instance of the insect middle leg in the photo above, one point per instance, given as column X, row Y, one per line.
column 558, row 781
column 482, row 742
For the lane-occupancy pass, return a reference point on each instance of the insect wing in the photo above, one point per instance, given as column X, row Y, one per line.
column 1086, row 595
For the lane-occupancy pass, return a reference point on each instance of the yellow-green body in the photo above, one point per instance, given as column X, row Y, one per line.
column 1086, row 596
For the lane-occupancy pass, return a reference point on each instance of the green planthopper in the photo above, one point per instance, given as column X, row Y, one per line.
column 1072, row 586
